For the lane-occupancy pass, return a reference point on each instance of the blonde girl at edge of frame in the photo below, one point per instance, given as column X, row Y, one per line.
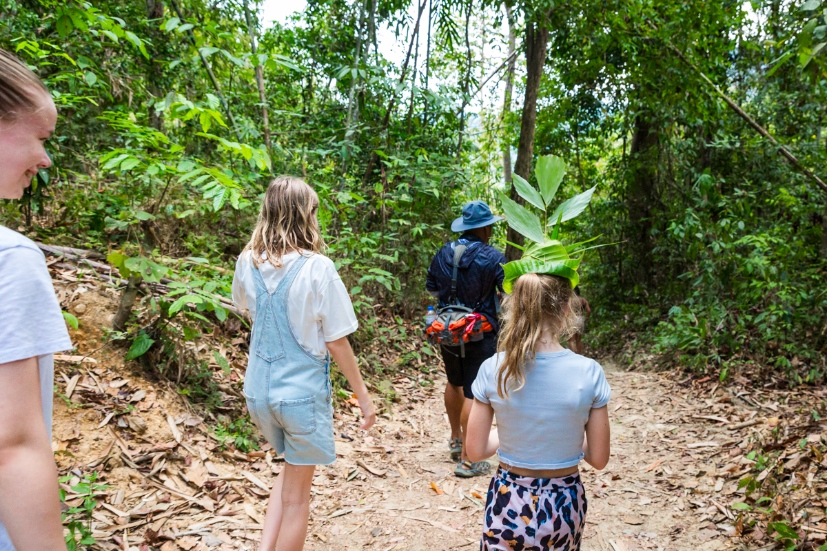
column 301, row 316
column 551, row 409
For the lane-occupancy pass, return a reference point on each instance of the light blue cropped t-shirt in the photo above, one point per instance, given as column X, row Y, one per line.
column 542, row 425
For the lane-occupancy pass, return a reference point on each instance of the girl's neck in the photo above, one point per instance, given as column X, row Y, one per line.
column 547, row 343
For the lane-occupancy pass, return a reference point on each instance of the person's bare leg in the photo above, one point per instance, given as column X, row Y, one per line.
column 295, row 506
column 289, row 507
column 466, row 412
column 454, row 401
column 272, row 520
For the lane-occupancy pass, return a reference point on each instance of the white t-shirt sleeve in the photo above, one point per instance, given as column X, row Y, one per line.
column 602, row 390
column 335, row 310
column 239, row 290
column 32, row 322
column 484, row 385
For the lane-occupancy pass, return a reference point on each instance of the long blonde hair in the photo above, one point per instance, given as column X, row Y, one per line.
column 537, row 301
column 286, row 222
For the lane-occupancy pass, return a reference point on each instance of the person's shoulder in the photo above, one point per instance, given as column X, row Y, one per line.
column 321, row 268
column 493, row 253
column 491, row 365
column 10, row 239
column 245, row 258
column 589, row 365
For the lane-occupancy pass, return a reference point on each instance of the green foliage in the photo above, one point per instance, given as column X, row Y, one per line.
column 78, row 519
column 240, row 433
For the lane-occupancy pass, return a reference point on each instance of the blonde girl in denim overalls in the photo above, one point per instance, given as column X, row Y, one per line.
column 301, row 316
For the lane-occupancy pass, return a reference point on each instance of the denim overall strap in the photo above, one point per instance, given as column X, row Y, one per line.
column 271, row 314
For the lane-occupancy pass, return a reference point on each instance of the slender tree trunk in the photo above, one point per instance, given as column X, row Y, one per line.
column 509, row 89
column 536, row 42
column 210, row 73
column 640, row 196
column 824, row 230
column 466, row 80
column 355, row 82
column 427, row 61
column 262, row 95
column 155, row 14
column 374, row 157
column 127, row 301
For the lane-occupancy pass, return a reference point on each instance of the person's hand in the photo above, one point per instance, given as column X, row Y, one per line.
column 368, row 411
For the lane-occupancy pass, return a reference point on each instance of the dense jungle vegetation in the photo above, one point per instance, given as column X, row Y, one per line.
column 173, row 115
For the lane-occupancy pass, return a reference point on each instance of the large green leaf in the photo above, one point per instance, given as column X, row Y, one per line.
column 524, row 222
column 527, row 191
column 140, row 345
column 562, row 268
column 550, row 171
column 572, row 207
column 547, row 251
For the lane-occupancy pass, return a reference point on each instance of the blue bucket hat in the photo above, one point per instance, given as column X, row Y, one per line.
column 475, row 214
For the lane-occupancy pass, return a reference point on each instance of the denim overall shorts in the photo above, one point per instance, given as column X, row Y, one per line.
column 287, row 388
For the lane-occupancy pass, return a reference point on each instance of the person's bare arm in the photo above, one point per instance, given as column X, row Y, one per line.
column 598, row 435
column 29, row 502
column 482, row 442
column 342, row 353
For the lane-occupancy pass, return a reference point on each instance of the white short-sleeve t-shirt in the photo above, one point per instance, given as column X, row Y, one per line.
column 31, row 323
column 318, row 304
column 542, row 425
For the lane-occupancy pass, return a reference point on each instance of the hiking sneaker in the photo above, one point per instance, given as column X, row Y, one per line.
column 466, row 469
column 455, row 446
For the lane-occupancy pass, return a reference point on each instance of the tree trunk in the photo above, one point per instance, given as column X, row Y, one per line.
column 127, row 301
column 374, row 157
column 824, row 230
column 155, row 14
column 536, row 42
column 509, row 89
column 640, row 196
column 356, row 79
column 262, row 95
column 466, row 80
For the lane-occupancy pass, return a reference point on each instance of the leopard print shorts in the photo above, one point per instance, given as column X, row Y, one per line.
column 533, row 514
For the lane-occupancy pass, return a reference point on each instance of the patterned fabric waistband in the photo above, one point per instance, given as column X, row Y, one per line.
column 552, row 484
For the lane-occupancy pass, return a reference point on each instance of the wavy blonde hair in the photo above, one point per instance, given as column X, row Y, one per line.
column 537, row 301
column 286, row 222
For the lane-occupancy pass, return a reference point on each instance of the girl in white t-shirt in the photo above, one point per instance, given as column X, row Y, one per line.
column 301, row 316
column 551, row 408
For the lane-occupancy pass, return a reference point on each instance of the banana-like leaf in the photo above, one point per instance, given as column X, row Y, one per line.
column 562, row 268
column 572, row 207
column 550, row 171
column 547, row 251
column 523, row 221
column 527, row 192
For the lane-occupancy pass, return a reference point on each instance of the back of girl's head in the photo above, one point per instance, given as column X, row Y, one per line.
column 286, row 222
column 537, row 302
column 20, row 89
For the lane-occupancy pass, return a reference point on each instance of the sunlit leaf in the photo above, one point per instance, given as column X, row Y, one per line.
column 550, row 171
column 572, row 207
column 524, row 222
column 527, row 191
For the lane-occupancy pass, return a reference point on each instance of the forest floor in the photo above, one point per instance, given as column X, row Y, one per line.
column 678, row 452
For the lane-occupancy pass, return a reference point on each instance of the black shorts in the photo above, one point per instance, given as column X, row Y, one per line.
column 463, row 371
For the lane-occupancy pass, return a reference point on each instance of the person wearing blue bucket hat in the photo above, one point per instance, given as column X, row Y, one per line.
column 479, row 276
